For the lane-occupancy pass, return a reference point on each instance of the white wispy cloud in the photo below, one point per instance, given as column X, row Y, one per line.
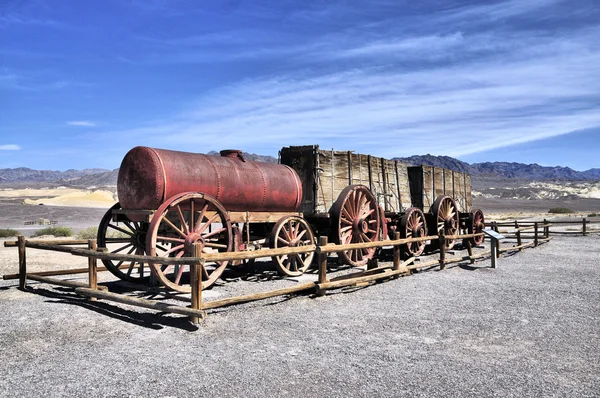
column 82, row 123
column 524, row 89
column 9, row 147
column 29, row 81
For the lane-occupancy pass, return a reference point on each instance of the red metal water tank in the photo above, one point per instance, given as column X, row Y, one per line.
column 149, row 176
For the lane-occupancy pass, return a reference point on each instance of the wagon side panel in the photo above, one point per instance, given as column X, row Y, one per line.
column 469, row 198
column 438, row 182
column 402, row 185
column 459, row 190
column 449, row 183
column 302, row 160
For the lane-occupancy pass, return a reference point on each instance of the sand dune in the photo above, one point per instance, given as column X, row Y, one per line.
column 75, row 198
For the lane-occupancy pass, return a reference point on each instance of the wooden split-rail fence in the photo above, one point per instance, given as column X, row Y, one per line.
column 535, row 232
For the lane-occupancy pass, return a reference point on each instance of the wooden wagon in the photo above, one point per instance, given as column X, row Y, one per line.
column 172, row 201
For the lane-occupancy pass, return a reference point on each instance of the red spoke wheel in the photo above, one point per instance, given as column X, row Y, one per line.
column 124, row 237
column 445, row 219
column 292, row 231
column 413, row 225
column 475, row 225
column 355, row 218
column 177, row 225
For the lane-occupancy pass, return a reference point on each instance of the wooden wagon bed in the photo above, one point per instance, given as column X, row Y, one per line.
column 325, row 173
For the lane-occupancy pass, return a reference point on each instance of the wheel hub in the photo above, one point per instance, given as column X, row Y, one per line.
column 139, row 239
column 450, row 223
column 192, row 239
column 361, row 225
column 417, row 232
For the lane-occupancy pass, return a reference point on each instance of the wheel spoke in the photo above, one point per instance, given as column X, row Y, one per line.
column 286, row 233
column 120, row 229
column 182, row 219
column 217, row 245
column 346, row 216
column 173, row 249
column 344, row 229
column 169, row 239
column 191, row 214
column 200, row 217
column 213, row 233
column 285, row 242
column 179, row 274
column 130, row 268
column 116, row 240
column 122, row 248
column 169, row 223
column 301, row 234
column 208, row 222
column 133, row 229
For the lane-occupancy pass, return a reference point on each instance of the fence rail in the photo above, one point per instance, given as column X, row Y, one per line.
column 537, row 232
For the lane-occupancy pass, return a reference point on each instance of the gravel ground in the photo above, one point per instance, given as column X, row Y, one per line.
column 529, row 328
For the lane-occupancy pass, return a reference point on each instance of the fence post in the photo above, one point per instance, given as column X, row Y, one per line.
column 535, row 236
column 322, row 264
column 196, row 282
column 546, row 229
column 584, row 230
column 518, row 233
column 442, row 239
column 22, row 263
column 93, row 267
column 470, row 250
column 397, row 252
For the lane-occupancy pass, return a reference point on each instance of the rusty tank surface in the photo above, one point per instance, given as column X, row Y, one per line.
column 149, row 176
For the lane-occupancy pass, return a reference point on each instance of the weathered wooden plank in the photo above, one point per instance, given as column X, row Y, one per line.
column 60, row 282
column 61, row 242
column 242, row 216
column 259, row 296
column 139, row 302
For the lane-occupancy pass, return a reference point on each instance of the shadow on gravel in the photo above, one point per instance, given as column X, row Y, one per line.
column 154, row 321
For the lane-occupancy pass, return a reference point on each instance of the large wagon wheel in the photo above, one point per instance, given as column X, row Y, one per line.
column 355, row 219
column 180, row 222
column 124, row 237
column 413, row 225
column 445, row 218
column 475, row 225
column 292, row 231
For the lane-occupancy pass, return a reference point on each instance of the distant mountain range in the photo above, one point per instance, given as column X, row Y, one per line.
column 505, row 170
column 24, row 174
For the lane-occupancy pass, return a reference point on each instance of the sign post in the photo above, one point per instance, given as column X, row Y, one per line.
column 495, row 238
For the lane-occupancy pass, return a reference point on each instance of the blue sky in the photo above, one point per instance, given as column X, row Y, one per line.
column 82, row 82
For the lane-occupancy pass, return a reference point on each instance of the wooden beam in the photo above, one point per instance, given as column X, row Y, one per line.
column 196, row 283
column 71, row 271
column 61, row 282
column 138, row 302
column 258, row 296
column 93, row 267
column 366, row 245
column 243, row 255
column 22, row 263
column 322, row 259
column 259, row 216
column 387, row 273
column 61, row 242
